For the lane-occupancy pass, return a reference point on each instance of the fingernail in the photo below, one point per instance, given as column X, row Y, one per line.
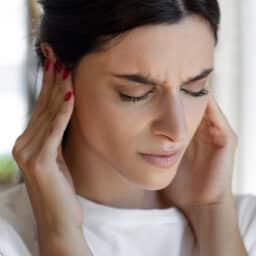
column 68, row 96
column 65, row 74
column 46, row 64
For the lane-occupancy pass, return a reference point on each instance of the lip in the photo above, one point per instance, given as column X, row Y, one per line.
column 165, row 160
column 163, row 153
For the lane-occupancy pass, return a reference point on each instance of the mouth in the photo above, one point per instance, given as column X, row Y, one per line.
column 161, row 160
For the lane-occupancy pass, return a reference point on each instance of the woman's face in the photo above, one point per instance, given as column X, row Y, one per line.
column 116, row 130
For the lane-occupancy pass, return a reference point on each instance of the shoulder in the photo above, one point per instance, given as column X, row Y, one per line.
column 17, row 222
column 246, row 209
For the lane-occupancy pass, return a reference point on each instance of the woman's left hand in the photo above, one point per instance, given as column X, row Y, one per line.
column 204, row 175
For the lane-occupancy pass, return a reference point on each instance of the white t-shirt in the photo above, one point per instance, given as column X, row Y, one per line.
column 114, row 231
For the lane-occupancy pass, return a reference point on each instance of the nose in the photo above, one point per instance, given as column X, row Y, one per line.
column 171, row 119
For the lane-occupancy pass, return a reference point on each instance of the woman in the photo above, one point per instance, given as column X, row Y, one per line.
column 123, row 83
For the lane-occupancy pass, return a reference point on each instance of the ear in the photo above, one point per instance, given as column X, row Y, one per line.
column 48, row 52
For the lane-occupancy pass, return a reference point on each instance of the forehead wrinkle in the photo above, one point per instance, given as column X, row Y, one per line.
column 146, row 78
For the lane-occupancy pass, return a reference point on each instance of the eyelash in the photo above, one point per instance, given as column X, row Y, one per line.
column 125, row 97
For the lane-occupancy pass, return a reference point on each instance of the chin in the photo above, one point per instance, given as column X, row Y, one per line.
column 157, row 181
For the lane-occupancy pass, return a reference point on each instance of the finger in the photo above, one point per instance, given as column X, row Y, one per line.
column 219, row 122
column 41, row 104
column 49, row 100
column 57, row 89
column 63, row 81
column 36, row 144
column 214, row 114
column 61, row 121
column 59, row 74
column 46, row 89
column 52, row 101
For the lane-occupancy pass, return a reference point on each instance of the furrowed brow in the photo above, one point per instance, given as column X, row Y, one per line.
column 147, row 80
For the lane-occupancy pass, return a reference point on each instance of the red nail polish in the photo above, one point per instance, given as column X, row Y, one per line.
column 46, row 64
column 68, row 96
column 65, row 74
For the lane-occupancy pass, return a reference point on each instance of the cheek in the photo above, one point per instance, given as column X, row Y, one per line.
column 106, row 126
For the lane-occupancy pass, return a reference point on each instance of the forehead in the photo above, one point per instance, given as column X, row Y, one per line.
column 183, row 49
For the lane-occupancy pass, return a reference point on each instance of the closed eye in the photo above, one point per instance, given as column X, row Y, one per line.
column 134, row 99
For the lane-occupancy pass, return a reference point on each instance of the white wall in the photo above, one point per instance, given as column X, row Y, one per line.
column 12, row 61
column 248, row 96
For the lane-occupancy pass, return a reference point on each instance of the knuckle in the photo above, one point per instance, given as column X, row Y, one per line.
column 24, row 159
column 34, row 163
column 28, row 162
column 15, row 152
column 21, row 159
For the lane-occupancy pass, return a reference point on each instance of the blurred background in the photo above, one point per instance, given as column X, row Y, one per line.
column 234, row 82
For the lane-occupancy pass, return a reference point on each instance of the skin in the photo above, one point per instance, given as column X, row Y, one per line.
column 104, row 163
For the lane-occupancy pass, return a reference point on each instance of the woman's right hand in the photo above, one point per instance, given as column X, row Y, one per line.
column 38, row 153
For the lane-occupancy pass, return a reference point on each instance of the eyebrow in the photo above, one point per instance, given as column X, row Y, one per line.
column 147, row 80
